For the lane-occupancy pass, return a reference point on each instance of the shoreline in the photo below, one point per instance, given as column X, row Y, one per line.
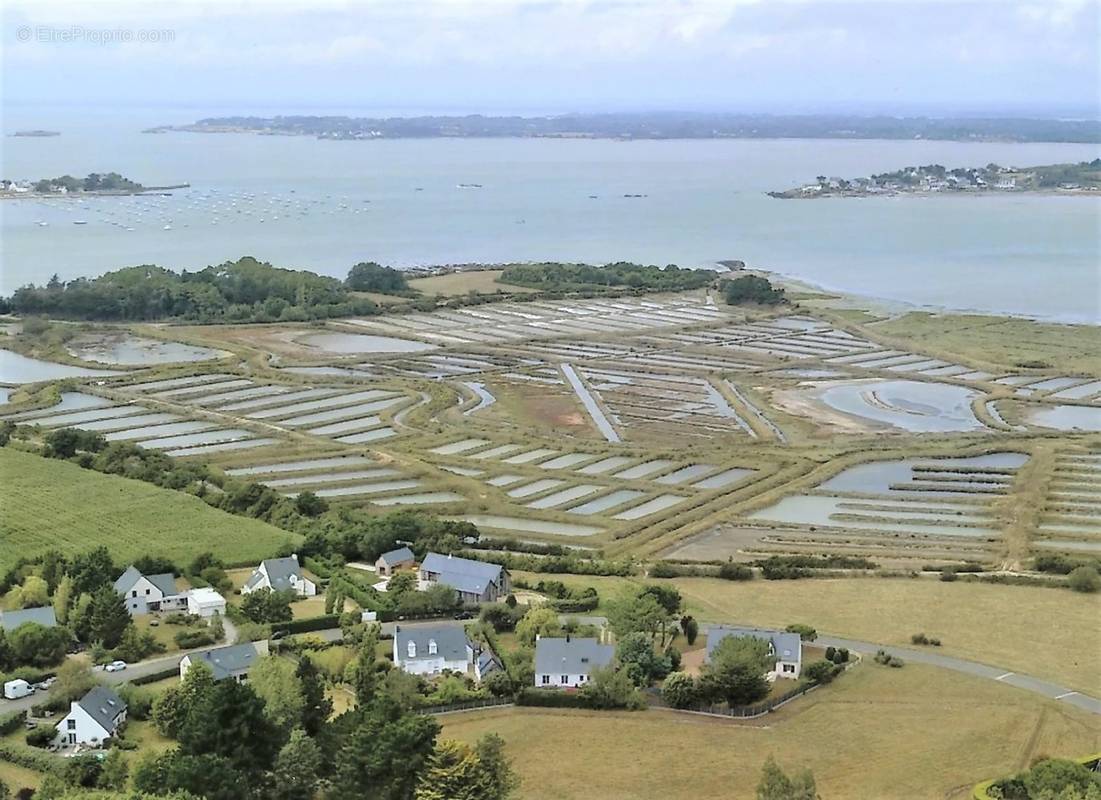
column 94, row 193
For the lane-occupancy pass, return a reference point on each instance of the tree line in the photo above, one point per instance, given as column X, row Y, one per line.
column 553, row 276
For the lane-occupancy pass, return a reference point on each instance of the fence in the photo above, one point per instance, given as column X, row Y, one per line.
column 468, row 705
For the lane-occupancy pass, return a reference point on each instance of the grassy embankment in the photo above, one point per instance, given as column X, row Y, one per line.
column 50, row 504
column 918, row 732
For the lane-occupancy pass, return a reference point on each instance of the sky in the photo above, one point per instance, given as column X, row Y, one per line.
column 403, row 57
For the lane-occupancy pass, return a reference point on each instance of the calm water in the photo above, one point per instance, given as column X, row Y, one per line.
column 327, row 205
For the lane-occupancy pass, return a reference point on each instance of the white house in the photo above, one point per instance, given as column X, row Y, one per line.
column 91, row 719
column 145, row 593
column 233, row 661
column 786, row 648
column 474, row 581
column 430, row 649
column 280, row 575
column 568, row 662
column 205, row 602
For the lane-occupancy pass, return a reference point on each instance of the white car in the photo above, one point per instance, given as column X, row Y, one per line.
column 115, row 666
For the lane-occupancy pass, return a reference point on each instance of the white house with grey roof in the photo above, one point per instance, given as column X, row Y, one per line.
column 567, row 663
column 145, row 593
column 96, row 716
column 475, row 581
column 431, row 649
column 233, row 661
column 280, row 575
column 44, row 616
column 786, row 648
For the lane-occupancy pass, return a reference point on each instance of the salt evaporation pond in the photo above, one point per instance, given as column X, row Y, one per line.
column 1067, row 418
column 363, row 343
column 70, row 401
column 300, row 466
column 877, row 477
column 531, row 525
column 913, row 406
column 126, row 350
column 18, row 368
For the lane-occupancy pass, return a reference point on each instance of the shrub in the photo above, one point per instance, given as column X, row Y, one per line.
column 663, row 569
column 41, row 736
column 806, row 632
column 921, row 638
column 821, row 672
column 1084, row 579
column 831, row 653
column 735, row 572
column 881, row 657
column 188, row 639
column 841, row 656
column 679, row 690
column 948, row 575
column 307, row 625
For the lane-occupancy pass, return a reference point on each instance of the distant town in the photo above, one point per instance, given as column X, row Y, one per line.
column 1084, row 177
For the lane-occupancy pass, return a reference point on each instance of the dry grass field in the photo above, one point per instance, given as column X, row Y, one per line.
column 880, row 733
column 457, row 283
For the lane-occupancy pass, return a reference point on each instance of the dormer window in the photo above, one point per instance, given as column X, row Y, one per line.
column 411, row 648
column 432, row 647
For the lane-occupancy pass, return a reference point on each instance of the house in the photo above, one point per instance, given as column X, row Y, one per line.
column 280, row 575
column 485, row 663
column 205, row 602
column 93, row 718
column 475, row 581
column 145, row 593
column 394, row 560
column 787, row 648
column 568, row 662
column 44, row 616
column 430, row 649
column 233, row 661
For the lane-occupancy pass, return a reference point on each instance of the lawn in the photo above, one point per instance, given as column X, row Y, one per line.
column 16, row 777
column 309, row 607
column 1047, row 633
column 918, row 732
column 459, row 283
column 51, row 504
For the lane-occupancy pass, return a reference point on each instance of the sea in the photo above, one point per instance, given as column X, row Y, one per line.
column 325, row 205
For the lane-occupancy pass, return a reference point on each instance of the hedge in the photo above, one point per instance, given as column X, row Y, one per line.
column 551, row 698
column 153, row 677
column 324, row 622
column 12, row 722
column 31, row 759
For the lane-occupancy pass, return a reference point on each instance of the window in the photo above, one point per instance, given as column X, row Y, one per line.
column 134, row 593
column 546, row 679
column 147, row 591
column 565, row 679
column 789, row 668
column 70, row 724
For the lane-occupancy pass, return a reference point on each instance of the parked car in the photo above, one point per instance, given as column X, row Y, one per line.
column 115, row 666
column 278, row 635
column 465, row 615
column 43, row 686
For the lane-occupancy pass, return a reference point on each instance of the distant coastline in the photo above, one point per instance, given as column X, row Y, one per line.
column 653, row 126
column 37, row 134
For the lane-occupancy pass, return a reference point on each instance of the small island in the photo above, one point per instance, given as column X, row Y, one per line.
column 37, row 133
column 1081, row 178
column 111, row 183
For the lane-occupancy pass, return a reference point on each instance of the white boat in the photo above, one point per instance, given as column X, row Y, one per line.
column 43, row 224
column 80, row 222
column 167, row 228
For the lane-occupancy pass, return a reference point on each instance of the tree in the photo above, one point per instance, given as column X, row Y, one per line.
column 639, row 612
column 74, row 680
column 1084, row 579
column 275, row 682
column 365, row 676
column 7, row 657
column 80, row 617
column 34, row 593
column 452, row 774
column 636, row 654
column 382, row 752
column 1060, row 778
column 541, row 621
column 38, row 646
column 752, row 289
column 820, row 672
column 109, row 617
column 63, row 596
column 371, row 277
column 736, row 671
column 691, row 629
column 264, row 605
column 400, row 583
column 775, row 785
column 609, row 687
column 499, row 782
column 316, row 707
column 679, row 690
column 297, row 768
column 115, row 772
column 806, row 632
column 309, row 504
column 210, row 777
column 171, row 708
column 229, row 721
column 93, row 569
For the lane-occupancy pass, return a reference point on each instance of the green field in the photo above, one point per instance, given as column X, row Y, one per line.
column 917, row 732
column 50, row 504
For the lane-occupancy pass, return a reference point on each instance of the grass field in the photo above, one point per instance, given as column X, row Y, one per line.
column 16, row 777
column 457, row 283
column 1047, row 633
column 918, row 732
column 53, row 504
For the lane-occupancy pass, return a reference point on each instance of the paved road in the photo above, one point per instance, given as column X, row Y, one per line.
column 1050, row 690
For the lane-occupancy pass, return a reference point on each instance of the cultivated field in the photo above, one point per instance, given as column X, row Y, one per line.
column 880, row 733
column 50, row 504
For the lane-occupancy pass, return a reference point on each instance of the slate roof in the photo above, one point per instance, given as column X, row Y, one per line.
column 451, row 642
column 573, row 656
column 102, row 705
column 227, row 661
column 785, row 646
column 397, row 556
column 462, row 574
column 10, row 620
column 166, row 581
column 279, row 573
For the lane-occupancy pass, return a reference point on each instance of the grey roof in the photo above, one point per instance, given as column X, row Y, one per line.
column 451, row 641
column 279, row 573
column 570, row 656
column 397, row 556
column 166, row 581
column 102, row 705
column 10, row 620
column 487, row 661
column 227, row 661
column 785, row 646
column 462, row 574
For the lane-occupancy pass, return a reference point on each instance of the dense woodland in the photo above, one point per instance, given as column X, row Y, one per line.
column 566, row 277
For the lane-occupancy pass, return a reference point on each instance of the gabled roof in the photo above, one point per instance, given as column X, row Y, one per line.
column 785, row 646
column 487, row 661
column 102, row 705
column 397, row 556
column 225, row 662
column 451, row 642
column 462, row 574
column 570, row 656
column 165, row 582
column 10, row 620
column 279, row 572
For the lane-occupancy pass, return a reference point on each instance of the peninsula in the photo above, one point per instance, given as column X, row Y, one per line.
column 1081, row 178
column 110, row 183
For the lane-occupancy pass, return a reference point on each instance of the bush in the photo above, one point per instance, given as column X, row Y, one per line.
column 321, row 623
column 41, row 736
column 806, row 632
column 663, row 569
column 948, row 575
column 921, row 638
column 841, row 656
column 188, row 639
column 12, row 722
column 881, row 657
column 735, row 572
column 831, row 653
column 679, row 690
column 821, row 672
column 1084, row 579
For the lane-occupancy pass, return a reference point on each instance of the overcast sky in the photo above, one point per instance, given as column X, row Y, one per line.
column 414, row 56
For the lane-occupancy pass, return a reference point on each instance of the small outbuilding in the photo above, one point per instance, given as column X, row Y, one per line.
column 389, row 562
